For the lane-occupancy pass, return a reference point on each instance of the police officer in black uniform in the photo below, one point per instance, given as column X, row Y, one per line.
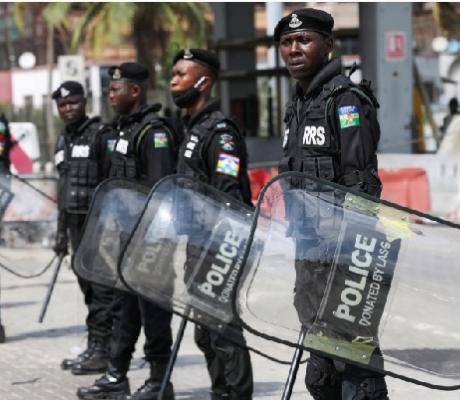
column 144, row 151
column 78, row 158
column 213, row 151
column 332, row 133
column 5, row 146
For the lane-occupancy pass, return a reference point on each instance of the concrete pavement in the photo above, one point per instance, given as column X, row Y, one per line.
column 29, row 360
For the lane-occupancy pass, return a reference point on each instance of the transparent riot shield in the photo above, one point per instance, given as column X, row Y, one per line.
column 5, row 199
column 28, row 223
column 186, row 254
column 115, row 208
column 372, row 283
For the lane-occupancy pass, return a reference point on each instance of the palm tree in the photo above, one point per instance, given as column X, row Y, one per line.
column 157, row 29
column 448, row 15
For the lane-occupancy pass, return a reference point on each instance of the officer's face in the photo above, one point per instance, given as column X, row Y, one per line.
column 71, row 108
column 304, row 53
column 121, row 96
column 184, row 75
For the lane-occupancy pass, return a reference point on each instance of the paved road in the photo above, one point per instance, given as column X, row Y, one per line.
column 29, row 360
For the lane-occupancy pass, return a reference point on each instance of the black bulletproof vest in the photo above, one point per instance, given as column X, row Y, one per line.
column 78, row 163
column 124, row 160
column 192, row 157
column 311, row 143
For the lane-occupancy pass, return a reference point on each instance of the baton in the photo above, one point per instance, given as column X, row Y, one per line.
column 34, row 188
column 294, row 368
column 173, row 357
column 51, row 288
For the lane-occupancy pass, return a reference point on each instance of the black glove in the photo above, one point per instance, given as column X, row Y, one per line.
column 61, row 247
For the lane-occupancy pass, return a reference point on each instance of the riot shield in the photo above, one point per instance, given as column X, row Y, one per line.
column 5, row 199
column 370, row 284
column 28, row 222
column 114, row 210
column 186, row 254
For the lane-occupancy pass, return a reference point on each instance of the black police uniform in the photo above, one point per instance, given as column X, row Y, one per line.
column 332, row 133
column 145, row 150
column 78, row 156
column 212, row 140
column 5, row 146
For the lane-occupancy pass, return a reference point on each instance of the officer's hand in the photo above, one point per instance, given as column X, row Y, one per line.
column 62, row 244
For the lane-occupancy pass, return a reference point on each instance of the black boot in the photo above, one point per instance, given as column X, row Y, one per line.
column 68, row 363
column 151, row 388
column 97, row 360
column 114, row 385
column 367, row 389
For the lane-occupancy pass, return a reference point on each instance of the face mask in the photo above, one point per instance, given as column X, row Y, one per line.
column 185, row 98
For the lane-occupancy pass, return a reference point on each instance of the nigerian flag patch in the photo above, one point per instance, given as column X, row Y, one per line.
column 349, row 116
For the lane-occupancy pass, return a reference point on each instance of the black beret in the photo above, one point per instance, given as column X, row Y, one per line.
column 305, row 19
column 68, row 88
column 129, row 71
column 200, row 56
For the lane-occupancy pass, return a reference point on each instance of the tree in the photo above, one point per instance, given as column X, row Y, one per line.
column 158, row 30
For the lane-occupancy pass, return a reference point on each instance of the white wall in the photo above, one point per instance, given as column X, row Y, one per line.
column 33, row 83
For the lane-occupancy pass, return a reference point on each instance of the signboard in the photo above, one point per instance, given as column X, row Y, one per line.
column 72, row 68
column 395, row 46
column 26, row 148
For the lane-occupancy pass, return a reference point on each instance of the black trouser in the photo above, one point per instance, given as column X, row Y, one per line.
column 98, row 298
column 229, row 366
column 130, row 312
column 327, row 379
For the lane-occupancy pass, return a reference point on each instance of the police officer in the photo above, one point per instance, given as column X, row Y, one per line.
column 214, row 152
column 331, row 133
column 144, row 151
column 5, row 146
column 78, row 155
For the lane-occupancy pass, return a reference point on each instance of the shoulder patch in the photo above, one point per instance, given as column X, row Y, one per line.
column 161, row 140
column 349, row 116
column 226, row 142
column 228, row 165
column 111, row 145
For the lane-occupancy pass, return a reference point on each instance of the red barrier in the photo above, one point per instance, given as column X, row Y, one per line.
column 407, row 187
column 258, row 178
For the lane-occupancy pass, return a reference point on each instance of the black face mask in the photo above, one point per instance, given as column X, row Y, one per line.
column 185, row 98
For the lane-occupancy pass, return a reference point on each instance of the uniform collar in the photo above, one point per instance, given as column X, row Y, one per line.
column 213, row 104
column 77, row 127
column 324, row 75
column 139, row 114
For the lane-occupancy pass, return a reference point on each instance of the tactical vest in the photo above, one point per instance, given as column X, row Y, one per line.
column 312, row 144
column 78, row 164
column 192, row 157
column 125, row 161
